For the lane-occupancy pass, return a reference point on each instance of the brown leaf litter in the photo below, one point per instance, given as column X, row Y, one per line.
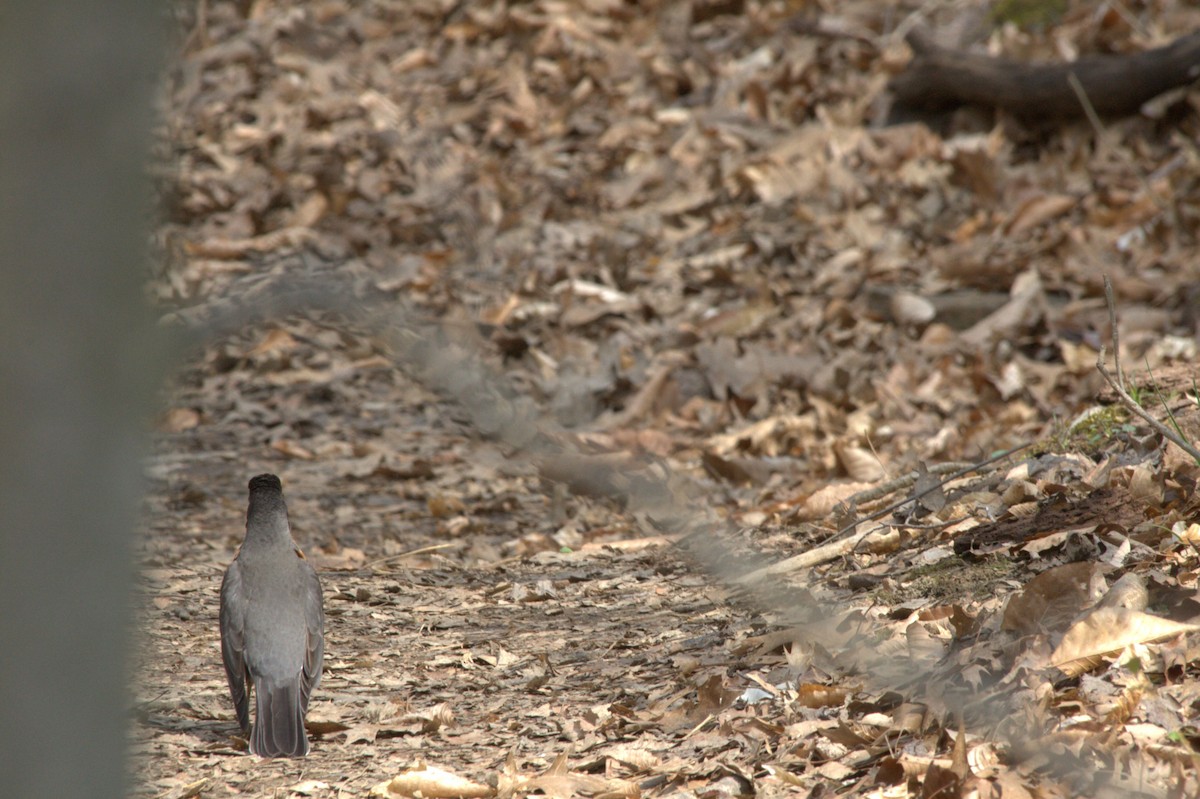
column 674, row 230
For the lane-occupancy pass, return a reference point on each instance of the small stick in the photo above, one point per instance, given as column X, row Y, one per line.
column 1088, row 108
column 903, row 481
column 973, row 467
column 1116, row 333
column 1094, row 119
column 410, row 553
column 1132, row 405
column 838, row 546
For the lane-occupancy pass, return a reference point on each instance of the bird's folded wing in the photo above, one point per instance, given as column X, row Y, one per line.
column 314, row 654
column 233, row 638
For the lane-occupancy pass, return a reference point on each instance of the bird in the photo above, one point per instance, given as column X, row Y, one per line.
column 272, row 627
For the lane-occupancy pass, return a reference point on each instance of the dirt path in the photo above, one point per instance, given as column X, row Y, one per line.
column 437, row 656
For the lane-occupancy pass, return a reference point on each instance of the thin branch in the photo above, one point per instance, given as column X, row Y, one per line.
column 1132, row 405
column 1088, row 108
column 934, row 526
column 812, row 557
column 973, row 467
column 412, row 553
column 1116, row 333
column 903, row 481
column 839, row 546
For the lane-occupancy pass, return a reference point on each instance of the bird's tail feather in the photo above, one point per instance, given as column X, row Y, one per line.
column 279, row 721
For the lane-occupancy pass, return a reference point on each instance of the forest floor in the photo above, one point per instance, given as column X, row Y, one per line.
column 567, row 323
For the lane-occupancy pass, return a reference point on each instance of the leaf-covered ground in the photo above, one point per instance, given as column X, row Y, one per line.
column 677, row 240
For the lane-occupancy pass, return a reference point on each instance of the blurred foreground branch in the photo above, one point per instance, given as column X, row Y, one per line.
column 78, row 370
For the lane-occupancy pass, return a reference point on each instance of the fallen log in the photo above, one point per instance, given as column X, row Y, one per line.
column 1116, row 85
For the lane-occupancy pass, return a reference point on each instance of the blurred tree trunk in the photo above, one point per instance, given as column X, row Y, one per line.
column 76, row 375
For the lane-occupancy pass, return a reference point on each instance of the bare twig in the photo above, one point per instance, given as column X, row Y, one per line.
column 812, row 557
column 840, row 546
column 1115, row 332
column 409, row 554
column 960, row 470
column 1088, row 108
column 903, row 481
column 1132, row 405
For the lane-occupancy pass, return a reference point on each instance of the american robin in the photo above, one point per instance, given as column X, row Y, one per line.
column 272, row 627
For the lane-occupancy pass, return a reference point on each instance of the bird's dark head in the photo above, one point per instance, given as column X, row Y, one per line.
column 264, row 483
column 266, row 515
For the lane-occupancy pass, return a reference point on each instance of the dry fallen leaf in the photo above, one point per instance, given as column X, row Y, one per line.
column 1053, row 598
column 910, row 309
column 1145, row 484
column 274, row 342
column 1038, row 209
column 822, row 502
column 292, row 449
column 1105, row 632
column 429, row 781
column 309, row 787
column 561, row 783
column 814, row 695
column 861, row 464
column 176, row 420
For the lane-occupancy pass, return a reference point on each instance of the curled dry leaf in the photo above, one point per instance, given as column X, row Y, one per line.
column 770, row 436
column 274, row 342
column 910, row 717
column 1010, row 382
column 1078, row 358
column 1053, row 598
column 299, row 376
column 1023, row 510
column 1038, row 209
column 238, row 248
column 923, row 646
column 918, row 765
column 1187, row 533
column 815, row 695
column 1099, row 475
column 984, row 760
column 741, row 471
column 192, row 789
column 433, row 718
column 559, row 781
column 882, row 542
column 909, row 309
column 576, row 784
column 1145, row 485
column 429, row 781
column 633, row 756
column 292, row 450
column 860, row 464
column 1020, row 491
column 1025, row 304
column 1128, row 592
column 822, row 502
